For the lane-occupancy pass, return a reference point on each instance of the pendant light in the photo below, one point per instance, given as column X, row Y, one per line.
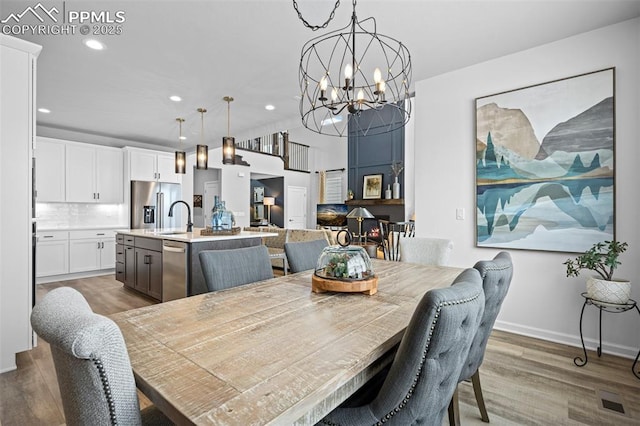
column 181, row 156
column 228, row 142
column 202, row 150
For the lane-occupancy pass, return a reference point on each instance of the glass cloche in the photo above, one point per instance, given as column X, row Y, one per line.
column 348, row 263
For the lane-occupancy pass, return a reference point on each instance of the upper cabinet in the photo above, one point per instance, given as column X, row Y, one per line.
column 50, row 180
column 152, row 166
column 94, row 174
column 78, row 173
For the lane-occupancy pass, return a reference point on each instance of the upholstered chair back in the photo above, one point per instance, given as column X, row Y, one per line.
column 496, row 278
column 426, row 367
column 231, row 268
column 91, row 361
column 427, row 251
column 304, row 255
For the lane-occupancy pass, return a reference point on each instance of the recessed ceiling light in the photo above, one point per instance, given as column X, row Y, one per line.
column 175, row 98
column 44, row 110
column 94, row 44
column 269, row 107
column 183, row 138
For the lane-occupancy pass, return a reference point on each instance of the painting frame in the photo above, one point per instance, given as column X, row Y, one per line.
column 372, row 187
column 545, row 165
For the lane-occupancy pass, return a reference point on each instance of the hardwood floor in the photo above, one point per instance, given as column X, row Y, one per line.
column 524, row 380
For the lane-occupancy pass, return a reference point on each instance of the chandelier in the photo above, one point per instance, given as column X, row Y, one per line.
column 352, row 70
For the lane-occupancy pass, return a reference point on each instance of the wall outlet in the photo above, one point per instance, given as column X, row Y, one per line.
column 459, row 213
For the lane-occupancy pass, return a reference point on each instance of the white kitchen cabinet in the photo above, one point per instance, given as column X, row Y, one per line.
column 50, row 170
column 52, row 253
column 152, row 166
column 91, row 250
column 93, row 174
column 17, row 135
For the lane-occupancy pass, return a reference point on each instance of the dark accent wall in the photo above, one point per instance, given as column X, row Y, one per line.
column 370, row 155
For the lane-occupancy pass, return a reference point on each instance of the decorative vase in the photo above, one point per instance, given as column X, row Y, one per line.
column 608, row 291
column 387, row 192
column 216, row 213
column 396, row 188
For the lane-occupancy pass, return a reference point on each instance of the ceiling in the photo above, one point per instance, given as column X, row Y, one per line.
column 205, row 50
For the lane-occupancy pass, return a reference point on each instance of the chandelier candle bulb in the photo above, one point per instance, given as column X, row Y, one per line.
column 348, row 75
column 323, row 88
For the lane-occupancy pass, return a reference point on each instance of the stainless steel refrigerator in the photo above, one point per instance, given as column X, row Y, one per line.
column 150, row 202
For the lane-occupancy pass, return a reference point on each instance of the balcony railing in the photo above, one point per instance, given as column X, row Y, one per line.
column 294, row 155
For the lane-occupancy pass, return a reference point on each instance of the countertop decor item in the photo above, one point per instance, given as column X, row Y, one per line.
column 602, row 258
column 377, row 76
column 344, row 268
column 221, row 218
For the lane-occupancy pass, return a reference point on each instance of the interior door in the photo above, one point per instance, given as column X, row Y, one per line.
column 211, row 189
column 296, row 207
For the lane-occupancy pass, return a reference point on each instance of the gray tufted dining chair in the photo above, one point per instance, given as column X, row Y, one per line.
column 224, row 269
column 91, row 361
column 496, row 278
column 426, row 367
column 304, row 255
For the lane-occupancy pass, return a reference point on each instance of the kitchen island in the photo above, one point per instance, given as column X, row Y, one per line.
column 165, row 264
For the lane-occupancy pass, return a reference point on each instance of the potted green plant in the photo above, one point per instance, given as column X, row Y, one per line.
column 602, row 258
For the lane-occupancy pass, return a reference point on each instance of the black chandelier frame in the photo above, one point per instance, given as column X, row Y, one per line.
column 378, row 81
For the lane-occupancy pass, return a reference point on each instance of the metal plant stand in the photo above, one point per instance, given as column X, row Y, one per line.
column 615, row 308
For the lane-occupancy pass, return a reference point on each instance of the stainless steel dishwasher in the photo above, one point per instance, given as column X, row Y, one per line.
column 175, row 270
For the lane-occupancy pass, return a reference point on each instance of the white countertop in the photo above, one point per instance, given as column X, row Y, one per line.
column 179, row 234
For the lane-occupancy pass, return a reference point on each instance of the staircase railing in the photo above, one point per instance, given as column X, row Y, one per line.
column 294, row 155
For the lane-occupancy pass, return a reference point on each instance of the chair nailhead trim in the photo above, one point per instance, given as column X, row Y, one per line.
column 107, row 390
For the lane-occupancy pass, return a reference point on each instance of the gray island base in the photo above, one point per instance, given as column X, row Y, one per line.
column 164, row 263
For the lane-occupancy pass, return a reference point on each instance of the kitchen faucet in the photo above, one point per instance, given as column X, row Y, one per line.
column 189, row 223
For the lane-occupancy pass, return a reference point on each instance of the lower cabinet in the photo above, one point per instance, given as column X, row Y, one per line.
column 149, row 272
column 139, row 264
column 52, row 253
column 91, row 250
column 69, row 252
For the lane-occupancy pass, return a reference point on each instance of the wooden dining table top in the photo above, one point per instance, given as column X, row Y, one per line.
column 271, row 352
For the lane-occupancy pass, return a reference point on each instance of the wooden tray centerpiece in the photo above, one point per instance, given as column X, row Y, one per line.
column 367, row 286
column 209, row 231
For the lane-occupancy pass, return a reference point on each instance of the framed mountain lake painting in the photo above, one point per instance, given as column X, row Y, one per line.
column 545, row 165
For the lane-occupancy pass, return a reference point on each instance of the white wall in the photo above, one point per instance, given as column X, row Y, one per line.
column 542, row 302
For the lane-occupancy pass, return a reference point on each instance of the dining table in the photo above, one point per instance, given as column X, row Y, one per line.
column 271, row 352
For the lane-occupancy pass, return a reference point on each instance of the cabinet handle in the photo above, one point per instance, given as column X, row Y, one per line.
column 98, row 195
column 100, row 233
column 101, row 245
column 147, row 259
column 98, row 246
column 47, row 236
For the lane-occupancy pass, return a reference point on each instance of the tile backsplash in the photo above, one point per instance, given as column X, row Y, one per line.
column 70, row 215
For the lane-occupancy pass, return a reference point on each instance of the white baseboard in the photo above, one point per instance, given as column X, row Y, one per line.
column 567, row 339
column 74, row 276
